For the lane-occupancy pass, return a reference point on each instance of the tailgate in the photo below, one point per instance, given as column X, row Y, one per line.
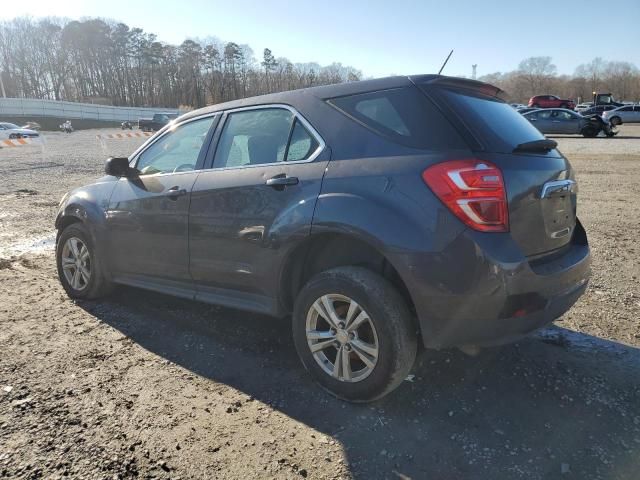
column 540, row 185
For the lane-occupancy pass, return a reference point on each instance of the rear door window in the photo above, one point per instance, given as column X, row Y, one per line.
column 263, row 136
column 254, row 137
column 496, row 126
column 301, row 145
column 402, row 115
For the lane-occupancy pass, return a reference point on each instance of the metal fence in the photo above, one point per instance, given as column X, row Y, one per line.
column 30, row 107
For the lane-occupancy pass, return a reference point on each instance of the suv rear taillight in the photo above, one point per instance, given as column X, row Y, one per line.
column 473, row 190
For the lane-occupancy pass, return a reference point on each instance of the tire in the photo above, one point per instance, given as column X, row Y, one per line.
column 13, row 136
column 95, row 284
column 386, row 327
column 590, row 132
column 615, row 121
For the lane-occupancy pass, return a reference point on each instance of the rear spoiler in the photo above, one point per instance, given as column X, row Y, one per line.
column 459, row 83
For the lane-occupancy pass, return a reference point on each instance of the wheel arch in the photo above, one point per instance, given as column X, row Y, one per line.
column 322, row 251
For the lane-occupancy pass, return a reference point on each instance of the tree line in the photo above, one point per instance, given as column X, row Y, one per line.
column 96, row 60
column 108, row 62
column 538, row 76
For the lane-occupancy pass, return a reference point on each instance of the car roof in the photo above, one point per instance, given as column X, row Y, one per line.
column 325, row 92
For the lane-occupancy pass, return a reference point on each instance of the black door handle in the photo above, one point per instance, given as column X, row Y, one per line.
column 174, row 192
column 281, row 181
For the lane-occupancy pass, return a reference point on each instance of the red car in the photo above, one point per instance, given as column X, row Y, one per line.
column 551, row 101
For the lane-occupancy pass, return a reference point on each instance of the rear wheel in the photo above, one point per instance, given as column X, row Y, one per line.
column 615, row 121
column 13, row 136
column 354, row 333
column 79, row 269
column 589, row 132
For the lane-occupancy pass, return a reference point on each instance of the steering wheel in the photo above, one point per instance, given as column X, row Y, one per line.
column 185, row 167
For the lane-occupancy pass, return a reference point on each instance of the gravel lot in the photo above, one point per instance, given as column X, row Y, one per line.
column 148, row 386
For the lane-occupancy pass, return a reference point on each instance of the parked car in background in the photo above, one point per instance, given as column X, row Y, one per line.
column 155, row 123
column 597, row 110
column 376, row 214
column 583, row 106
column 11, row 131
column 562, row 121
column 625, row 114
column 32, row 126
column 551, row 101
column 524, row 110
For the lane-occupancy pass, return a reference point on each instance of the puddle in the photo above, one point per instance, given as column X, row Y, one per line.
column 39, row 244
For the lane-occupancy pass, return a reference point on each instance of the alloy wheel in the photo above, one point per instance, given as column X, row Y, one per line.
column 76, row 263
column 342, row 338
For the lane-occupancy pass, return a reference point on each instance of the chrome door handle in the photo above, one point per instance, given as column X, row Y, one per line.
column 282, row 181
column 174, row 192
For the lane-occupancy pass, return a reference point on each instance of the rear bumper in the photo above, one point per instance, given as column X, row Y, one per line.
column 482, row 291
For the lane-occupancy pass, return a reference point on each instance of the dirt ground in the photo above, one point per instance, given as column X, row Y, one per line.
column 144, row 385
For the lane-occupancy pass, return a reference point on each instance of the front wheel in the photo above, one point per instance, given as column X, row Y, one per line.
column 615, row 121
column 354, row 333
column 590, row 132
column 79, row 269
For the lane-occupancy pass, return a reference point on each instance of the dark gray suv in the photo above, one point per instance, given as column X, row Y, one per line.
column 380, row 215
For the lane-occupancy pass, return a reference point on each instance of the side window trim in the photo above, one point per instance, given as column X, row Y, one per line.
column 133, row 159
column 297, row 116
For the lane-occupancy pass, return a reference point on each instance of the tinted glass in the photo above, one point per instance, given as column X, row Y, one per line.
column 177, row 150
column 403, row 115
column 254, row 137
column 302, row 144
column 496, row 125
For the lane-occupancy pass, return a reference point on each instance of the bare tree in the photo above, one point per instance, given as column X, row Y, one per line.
column 109, row 62
column 537, row 73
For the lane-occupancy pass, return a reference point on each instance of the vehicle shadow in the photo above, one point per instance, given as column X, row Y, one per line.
column 599, row 137
column 559, row 402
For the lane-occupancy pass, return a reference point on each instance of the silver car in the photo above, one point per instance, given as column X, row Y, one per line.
column 10, row 131
column 625, row 114
column 560, row 120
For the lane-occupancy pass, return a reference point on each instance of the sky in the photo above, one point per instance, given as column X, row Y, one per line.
column 387, row 37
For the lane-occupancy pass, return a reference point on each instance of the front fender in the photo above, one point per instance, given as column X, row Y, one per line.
column 87, row 205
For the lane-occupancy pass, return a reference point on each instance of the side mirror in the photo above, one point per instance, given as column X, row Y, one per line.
column 118, row 167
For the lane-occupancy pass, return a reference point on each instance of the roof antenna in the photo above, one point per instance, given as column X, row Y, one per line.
column 445, row 62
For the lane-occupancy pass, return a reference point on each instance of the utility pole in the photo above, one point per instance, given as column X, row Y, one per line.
column 4, row 94
column 473, row 70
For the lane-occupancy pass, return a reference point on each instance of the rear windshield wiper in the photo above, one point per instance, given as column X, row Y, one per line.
column 536, row 146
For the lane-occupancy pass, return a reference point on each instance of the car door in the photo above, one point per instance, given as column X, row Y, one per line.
column 254, row 204
column 147, row 216
column 567, row 122
column 625, row 113
column 544, row 121
column 636, row 115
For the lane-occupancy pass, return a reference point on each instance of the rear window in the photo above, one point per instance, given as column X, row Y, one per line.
column 403, row 115
column 496, row 125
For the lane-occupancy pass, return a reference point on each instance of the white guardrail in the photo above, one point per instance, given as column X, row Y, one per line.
column 31, row 107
